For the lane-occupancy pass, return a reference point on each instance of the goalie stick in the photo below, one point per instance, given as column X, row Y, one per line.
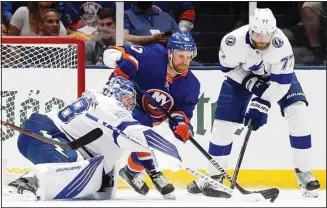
column 78, row 143
column 270, row 194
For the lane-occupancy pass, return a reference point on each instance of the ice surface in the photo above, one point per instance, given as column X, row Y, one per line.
column 129, row 198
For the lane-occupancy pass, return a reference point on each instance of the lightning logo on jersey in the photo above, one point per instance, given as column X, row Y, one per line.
column 165, row 100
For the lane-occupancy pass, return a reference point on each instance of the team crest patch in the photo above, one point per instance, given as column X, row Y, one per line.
column 230, row 40
column 165, row 100
column 277, row 42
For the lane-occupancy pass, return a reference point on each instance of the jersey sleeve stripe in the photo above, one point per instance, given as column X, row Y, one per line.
column 226, row 69
column 282, row 78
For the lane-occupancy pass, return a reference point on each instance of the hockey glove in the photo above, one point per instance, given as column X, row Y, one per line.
column 257, row 112
column 184, row 130
column 255, row 85
column 127, row 66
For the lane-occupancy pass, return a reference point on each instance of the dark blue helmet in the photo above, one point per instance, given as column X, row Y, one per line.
column 182, row 41
column 118, row 87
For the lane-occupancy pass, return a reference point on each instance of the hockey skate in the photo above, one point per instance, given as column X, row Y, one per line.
column 165, row 188
column 135, row 181
column 309, row 184
column 22, row 189
column 200, row 186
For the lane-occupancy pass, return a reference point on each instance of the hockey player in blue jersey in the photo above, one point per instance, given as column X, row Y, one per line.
column 163, row 73
column 258, row 59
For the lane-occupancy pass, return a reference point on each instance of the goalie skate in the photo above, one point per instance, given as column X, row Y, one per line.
column 21, row 189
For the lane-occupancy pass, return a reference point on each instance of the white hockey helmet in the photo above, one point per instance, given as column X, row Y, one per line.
column 262, row 27
column 263, row 21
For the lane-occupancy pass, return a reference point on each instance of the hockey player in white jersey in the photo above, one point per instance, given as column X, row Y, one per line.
column 88, row 172
column 258, row 60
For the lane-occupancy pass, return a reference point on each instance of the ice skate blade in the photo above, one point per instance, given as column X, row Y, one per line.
column 310, row 194
column 170, row 196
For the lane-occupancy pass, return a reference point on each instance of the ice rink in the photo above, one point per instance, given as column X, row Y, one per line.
column 129, row 198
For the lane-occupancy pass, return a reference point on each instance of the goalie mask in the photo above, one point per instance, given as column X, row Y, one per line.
column 122, row 90
column 181, row 51
column 262, row 28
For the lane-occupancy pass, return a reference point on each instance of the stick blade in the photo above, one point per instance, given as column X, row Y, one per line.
column 86, row 139
column 271, row 194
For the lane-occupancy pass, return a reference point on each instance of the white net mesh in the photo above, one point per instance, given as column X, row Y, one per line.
column 38, row 75
column 40, row 56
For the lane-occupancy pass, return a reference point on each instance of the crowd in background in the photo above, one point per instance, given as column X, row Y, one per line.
column 304, row 23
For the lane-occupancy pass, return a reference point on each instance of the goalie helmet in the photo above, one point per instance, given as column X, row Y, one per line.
column 262, row 27
column 122, row 90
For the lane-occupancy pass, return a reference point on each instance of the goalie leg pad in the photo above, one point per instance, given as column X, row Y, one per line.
column 108, row 187
column 69, row 180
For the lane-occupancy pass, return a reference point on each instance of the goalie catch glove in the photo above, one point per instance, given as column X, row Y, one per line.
column 184, row 130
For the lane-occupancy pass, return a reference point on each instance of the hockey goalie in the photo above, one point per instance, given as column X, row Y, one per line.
column 89, row 172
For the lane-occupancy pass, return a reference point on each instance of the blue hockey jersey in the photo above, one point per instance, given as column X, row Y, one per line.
column 174, row 94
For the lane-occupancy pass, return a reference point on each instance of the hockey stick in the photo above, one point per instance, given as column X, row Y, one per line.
column 105, row 124
column 196, row 173
column 210, row 180
column 78, row 143
column 271, row 193
column 240, row 157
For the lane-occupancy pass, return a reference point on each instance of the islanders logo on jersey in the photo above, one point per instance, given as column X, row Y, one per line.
column 165, row 100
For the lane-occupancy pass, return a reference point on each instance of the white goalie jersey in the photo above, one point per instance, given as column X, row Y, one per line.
column 72, row 120
column 239, row 58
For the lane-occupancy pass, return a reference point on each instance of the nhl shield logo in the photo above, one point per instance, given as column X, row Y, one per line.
column 165, row 100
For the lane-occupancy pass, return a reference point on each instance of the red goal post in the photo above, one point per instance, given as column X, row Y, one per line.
column 38, row 74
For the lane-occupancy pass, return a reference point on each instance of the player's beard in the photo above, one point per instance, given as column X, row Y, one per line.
column 260, row 45
column 181, row 68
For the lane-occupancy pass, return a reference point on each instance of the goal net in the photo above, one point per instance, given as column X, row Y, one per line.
column 38, row 74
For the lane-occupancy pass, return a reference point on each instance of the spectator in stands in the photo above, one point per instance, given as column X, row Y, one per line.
column 145, row 25
column 76, row 14
column 3, row 29
column 26, row 20
column 6, row 12
column 312, row 13
column 50, row 23
column 105, row 37
column 90, row 17
column 182, row 11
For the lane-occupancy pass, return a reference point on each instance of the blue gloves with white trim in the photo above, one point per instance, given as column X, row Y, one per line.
column 257, row 113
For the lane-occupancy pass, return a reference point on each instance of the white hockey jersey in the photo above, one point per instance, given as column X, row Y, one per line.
column 72, row 121
column 239, row 58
